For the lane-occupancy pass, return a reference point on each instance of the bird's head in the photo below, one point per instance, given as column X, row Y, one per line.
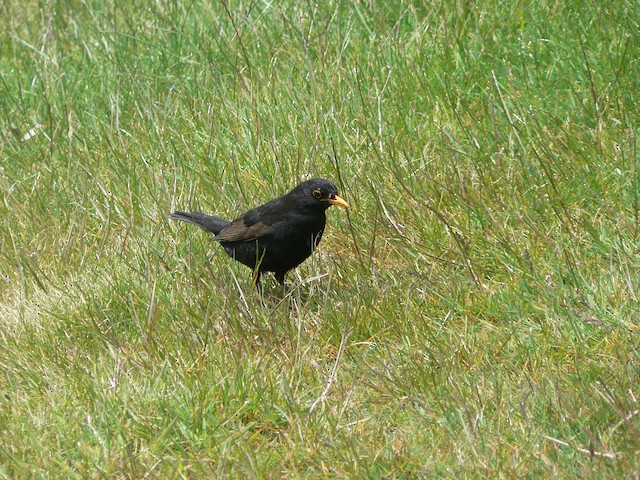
column 318, row 193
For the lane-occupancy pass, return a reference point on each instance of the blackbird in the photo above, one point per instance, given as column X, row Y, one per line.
column 277, row 236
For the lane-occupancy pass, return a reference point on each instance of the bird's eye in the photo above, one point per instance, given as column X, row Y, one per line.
column 317, row 193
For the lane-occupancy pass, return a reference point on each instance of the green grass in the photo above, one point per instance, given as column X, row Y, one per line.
column 474, row 315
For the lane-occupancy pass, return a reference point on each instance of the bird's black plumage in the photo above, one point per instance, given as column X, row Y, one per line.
column 277, row 236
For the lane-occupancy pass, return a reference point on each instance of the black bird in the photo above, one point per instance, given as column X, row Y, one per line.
column 277, row 236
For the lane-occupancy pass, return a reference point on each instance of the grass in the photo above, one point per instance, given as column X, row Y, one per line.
column 475, row 313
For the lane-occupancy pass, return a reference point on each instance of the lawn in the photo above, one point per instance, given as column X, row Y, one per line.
column 474, row 314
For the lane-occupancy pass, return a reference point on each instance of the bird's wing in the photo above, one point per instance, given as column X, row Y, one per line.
column 255, row 223
column 241, row 231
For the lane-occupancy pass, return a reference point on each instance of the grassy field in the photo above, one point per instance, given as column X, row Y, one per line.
column 475, row 314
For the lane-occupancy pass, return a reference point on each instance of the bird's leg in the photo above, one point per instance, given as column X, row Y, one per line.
column 256, row 280
column 280, row 278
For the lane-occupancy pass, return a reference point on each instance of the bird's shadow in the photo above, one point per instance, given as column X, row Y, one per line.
column 298, row 294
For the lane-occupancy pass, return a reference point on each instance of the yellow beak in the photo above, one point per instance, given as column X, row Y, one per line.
column 337, row 200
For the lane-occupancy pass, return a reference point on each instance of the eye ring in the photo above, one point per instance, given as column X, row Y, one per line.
column 317, row 193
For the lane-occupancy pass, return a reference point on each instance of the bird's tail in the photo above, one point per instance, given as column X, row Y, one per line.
column 207, row 222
